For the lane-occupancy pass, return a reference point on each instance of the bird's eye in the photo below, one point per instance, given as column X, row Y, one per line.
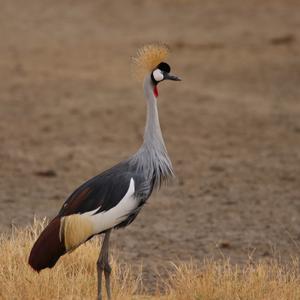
column 158, row 75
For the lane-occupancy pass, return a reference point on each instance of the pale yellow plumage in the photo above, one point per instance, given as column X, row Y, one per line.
column 74, row 230
column 147, row 58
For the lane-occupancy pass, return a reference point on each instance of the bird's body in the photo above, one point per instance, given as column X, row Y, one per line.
column 109, row 200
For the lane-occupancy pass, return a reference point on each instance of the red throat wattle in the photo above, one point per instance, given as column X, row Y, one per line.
column 155, row 91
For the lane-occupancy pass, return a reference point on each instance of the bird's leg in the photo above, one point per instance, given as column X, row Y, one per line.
column 103, row 265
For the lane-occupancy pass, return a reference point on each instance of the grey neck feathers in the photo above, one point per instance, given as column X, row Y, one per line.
column 152, row 158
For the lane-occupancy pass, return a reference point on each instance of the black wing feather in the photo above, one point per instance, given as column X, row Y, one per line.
column 104, row 191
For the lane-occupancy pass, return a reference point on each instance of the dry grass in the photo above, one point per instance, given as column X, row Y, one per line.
column 74, row 277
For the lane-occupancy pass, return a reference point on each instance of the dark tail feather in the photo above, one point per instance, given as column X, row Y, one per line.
column 48, row 248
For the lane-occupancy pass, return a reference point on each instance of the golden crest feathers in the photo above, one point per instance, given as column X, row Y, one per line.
column 147, row 58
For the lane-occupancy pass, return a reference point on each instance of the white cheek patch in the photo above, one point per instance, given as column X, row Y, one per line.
column 158, row 75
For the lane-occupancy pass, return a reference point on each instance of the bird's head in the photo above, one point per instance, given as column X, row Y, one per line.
column 161, row 73
column 150, row 61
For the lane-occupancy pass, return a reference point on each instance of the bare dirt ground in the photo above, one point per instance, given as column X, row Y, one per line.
column 69, row 108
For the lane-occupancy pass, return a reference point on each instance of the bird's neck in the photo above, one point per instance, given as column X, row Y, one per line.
column 152, row 158
column 153, row 138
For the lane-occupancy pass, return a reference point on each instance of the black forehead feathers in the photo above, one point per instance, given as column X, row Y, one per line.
column 164, row 67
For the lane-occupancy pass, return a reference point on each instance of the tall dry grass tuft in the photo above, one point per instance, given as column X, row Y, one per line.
column 74, row 277
column 222, row 280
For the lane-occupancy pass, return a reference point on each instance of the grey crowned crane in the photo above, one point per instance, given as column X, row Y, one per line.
column 113, row 198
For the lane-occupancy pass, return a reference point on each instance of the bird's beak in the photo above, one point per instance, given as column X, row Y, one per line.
column 168, row 76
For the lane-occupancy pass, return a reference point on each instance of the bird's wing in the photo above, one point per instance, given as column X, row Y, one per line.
column 100, row 193
column 103, row 202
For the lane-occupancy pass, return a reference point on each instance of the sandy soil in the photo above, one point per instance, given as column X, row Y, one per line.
column 70, row 109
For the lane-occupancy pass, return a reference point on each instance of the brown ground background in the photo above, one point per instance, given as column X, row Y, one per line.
column 69, row 109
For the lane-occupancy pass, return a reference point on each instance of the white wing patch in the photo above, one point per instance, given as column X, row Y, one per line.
column 110, row 218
